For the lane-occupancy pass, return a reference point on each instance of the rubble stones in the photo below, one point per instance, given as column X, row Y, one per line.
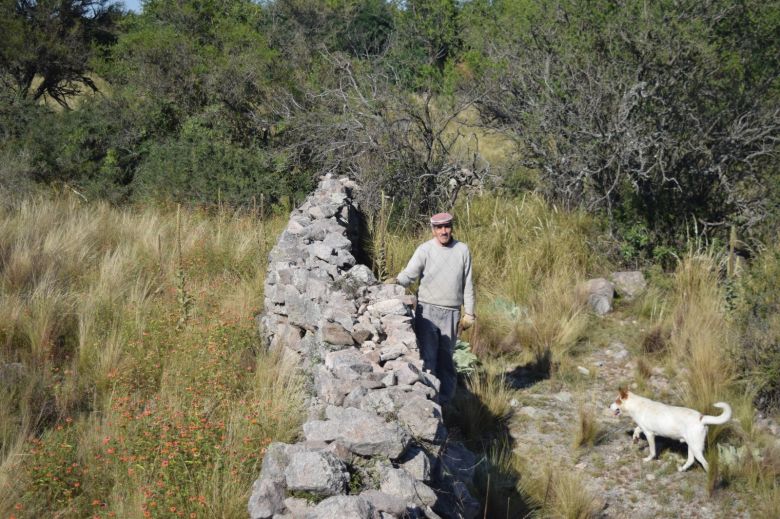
column 370, row 402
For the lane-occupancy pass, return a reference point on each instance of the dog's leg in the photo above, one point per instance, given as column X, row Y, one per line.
column 697, row 448
column 651, row 444
column 637, row 431
column 689, row 462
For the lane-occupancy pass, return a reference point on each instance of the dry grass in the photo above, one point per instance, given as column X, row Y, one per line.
column 528, row 258
column 557, row 491
column 588, row 430
column 115, row 405
column 703, row 341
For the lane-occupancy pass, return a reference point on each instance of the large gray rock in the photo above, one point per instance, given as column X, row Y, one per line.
column 361, row 274
column 629, row 284
column 600, row 294
column 336, row 334
column 266, row 500
column 417, row 463
column 423, row 418
column 318, row 472
column 388, row 307
column 398, row 482
column 348, row 364
column 361, row 432
column 343, row 507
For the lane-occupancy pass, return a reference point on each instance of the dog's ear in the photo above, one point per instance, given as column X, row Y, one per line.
column 623, row 392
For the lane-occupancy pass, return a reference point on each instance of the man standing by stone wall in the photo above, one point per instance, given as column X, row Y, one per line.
column 443, row 265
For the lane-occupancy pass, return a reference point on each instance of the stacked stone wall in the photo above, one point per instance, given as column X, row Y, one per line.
column 374, row 445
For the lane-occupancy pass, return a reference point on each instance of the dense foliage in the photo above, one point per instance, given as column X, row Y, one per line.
column 663, row 117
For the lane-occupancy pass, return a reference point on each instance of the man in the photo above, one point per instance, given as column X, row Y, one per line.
column 443, row 265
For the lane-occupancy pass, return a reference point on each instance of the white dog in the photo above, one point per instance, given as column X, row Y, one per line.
column 679, row 423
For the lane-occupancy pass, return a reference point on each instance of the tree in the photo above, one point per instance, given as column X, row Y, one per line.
column 47, row 45
column 663, row 113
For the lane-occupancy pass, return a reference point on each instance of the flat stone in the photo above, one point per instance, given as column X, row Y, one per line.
column 334, row 333
column 320, row 473
column 361, row 432
column 342, row 507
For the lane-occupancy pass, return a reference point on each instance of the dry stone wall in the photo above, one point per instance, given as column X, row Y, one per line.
column 374, row 445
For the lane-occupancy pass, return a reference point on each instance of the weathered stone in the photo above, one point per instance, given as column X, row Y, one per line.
column 599, row 293
column 295, row 227
column 349, row 359
column 297, row 506
column 382, row 401
column 337, row 241
column 388, row 306
column 318, row 212
column 383, row 502
column 423, row 418
column 361, row 334
column 321, row 251
column 361, row 432
column 344, row 259
column 342, row 507
column 629, row 284
column 399, row 482
column 275, row 460
column 320, row 473
column 405, row 372
column 334, row 333
column 417, row 463
column 392, row 352
column 362, row 274
column 266, row 500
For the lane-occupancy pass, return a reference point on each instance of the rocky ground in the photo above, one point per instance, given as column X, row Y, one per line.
column 543, row 428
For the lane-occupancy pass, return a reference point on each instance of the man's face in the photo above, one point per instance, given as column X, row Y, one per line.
column 443, row 233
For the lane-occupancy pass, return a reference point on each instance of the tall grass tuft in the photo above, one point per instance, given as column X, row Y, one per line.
column 702, row 339
column 557, row 491
column 588, row 431
column 109, row 407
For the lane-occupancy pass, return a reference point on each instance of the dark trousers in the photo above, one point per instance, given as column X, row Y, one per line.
column 436, row 328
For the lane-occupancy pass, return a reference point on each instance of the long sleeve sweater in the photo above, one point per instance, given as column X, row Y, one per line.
column 444, row 272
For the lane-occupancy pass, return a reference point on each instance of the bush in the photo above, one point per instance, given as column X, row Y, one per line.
column 758, row 314
column 202, row 165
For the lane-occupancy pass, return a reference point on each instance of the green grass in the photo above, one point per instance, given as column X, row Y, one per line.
column 124, row 409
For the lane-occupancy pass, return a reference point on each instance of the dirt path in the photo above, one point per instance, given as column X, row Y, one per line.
column 543, row 428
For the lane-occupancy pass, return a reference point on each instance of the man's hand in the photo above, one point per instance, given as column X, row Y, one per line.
column 390, row 281
column 467, row 321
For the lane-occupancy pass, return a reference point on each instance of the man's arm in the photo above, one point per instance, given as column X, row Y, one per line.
column 468, row 286
column 413, row 269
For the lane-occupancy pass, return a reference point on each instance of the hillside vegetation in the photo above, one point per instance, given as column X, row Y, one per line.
column 571, row 139
column 132, row 380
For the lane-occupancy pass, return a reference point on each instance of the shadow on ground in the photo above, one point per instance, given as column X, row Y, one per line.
column 486, row 434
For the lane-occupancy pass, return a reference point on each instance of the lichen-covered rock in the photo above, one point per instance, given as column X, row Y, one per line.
column 320, row 473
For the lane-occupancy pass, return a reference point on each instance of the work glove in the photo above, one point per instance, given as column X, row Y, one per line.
column 467, row 321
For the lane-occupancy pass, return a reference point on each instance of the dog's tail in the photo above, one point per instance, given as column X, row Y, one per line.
column 724, row 417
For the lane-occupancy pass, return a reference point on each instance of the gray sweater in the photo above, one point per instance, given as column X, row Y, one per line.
column 444, row 272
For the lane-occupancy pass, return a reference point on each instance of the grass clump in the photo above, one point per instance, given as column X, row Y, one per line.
column 588, row 430
column 121, row 408
column 557, row 491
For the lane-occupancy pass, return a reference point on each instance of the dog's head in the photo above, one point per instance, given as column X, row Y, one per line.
column 617, row 405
